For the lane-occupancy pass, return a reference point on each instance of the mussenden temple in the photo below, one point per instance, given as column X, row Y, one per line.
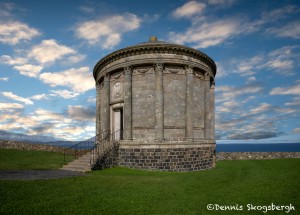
column 155, row 108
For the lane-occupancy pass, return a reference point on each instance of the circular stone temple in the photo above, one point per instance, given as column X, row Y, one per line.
column 161, row 97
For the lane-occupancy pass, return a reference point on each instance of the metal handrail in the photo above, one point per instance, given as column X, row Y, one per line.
column 82, row 147
column 104, row 144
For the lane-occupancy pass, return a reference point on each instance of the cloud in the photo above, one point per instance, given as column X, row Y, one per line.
column 278, row 14
column 296, row 131
column 64, row 94
column 203, row 34
column 206, row 31
column 290, row 30
column 4, row 79
column 39, row 97
column 107, row 32
column 49, row 51
column 292, row 90
column 189, row 9
column 222, row 2
column 29, row 70
column 295, row 102
column 81, row 113
column 79, row 80
column 257, row 135
column 14, row 32
column 228, row 93
column 10, row 107
column 12, row 61
column 17, row 98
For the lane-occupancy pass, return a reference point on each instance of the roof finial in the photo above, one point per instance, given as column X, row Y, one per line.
column 153, row 39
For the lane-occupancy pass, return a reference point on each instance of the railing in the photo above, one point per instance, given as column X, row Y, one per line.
column 104, row 144
column 83, row 147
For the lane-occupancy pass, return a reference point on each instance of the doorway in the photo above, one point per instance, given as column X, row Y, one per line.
column 118, row 123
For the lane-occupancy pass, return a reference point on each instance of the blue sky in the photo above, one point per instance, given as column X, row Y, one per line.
column 48, row 50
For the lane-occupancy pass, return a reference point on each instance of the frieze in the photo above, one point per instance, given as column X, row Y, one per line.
column 174, row 70
column 143, row 70
column 116, row 76
column 198, row 75
column 157, row 49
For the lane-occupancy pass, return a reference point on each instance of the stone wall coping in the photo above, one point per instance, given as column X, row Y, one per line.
column 152, row 146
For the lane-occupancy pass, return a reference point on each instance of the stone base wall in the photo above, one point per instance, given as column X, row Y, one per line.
column 175, row 158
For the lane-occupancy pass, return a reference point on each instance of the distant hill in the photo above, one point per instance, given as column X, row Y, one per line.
column 4, row 135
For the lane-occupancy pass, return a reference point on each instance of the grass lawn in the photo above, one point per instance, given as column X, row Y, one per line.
column 11, row 159
column 126, row 191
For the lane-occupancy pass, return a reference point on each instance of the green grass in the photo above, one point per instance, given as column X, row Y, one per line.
column 11, row 159
column 126, row 191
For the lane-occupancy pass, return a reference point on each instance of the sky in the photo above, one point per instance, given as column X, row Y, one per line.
column 48, row 50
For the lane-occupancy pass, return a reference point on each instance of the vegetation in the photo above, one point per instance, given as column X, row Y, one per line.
column 125, row 191
column 11, row 159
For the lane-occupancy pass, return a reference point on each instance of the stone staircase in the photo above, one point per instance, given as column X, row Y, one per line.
column 103, row 155
column 82, row 164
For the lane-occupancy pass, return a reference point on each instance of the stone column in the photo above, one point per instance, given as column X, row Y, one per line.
column 189, row 103
column 105, row 104
column 127, row 104
column 98, row 109
column 212, row 108
column 207, row 113
column 159, row 103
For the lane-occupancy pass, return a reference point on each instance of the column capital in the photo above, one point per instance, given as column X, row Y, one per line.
column 97, row 86
column 127, row 70
column 188, row 69
column 159, row 66
column 106, row 78
column 206, row 76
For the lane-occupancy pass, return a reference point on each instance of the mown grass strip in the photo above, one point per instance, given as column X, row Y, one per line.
column 126, row 191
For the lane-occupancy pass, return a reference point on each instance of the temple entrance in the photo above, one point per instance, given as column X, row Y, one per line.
column 118, row 123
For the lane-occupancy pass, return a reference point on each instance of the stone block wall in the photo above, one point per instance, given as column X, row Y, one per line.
column 176, row 158
column 143, row 103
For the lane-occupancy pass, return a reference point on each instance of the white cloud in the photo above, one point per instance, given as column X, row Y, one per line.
column 189, row 9
column 14, row 32
column 12, row 61
column 225, row 93
column 277, row 14
column 295, row 102
column 17, row 98
column 107, row 31
column 92, row 100
column 203, row 34
column 49, row 50
column 39, row 97
column 79, row 80
column 260, row 109
column 296, row 131
column 10, row 107
column 221, row 2
column 4, row 79
column 291, row 90
column 290, row 30
column 29, row 70
column 64, row 94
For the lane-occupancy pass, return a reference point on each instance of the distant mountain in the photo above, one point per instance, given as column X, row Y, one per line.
column 4, row 135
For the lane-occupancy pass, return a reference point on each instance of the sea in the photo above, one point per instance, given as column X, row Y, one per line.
column 258, row 147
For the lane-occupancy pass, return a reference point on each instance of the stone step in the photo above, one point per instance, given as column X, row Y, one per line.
column 78, row 169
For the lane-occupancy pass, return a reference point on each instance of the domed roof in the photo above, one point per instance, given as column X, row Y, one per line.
column 155, row 46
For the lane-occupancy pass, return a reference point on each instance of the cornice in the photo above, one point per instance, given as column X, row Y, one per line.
column 156, row 48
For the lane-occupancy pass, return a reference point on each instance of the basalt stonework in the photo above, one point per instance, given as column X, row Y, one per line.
column 161, row 95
